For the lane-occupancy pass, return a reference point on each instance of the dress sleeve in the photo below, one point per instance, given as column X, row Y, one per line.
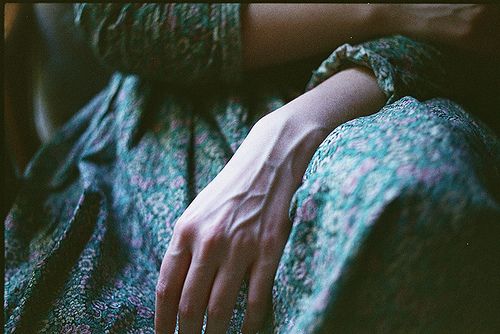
column 402, row 66
column 178, row 43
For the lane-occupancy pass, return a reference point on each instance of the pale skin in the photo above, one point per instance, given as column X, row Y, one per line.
column 237, row 227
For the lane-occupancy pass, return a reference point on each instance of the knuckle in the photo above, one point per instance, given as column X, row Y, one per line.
column 187, row 310
column 184, row 232
column 268, row 241
column 244, row 242
column 212, row 242
column 162, row 291
column 269, row 244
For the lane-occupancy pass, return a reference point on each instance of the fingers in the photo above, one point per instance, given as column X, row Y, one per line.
column 223, row 296
column 259, row 296
column 187, row 286
column 195, row 294
column 173, row 272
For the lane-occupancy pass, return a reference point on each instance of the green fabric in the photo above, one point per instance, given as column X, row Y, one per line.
column 394, row 227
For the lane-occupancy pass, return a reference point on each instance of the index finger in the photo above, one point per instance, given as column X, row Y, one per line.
column 173, row 271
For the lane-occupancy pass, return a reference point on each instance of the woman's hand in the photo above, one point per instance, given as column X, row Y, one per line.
column 469, row 27
column 238, row 225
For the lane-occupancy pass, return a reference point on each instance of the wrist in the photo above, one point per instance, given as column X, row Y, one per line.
column 288, row 144
column 346, row 95
column 292, row 133
column 349, row 94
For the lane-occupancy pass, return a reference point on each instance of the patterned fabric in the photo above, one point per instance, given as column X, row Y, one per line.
column 394, row 227
column 179, row 43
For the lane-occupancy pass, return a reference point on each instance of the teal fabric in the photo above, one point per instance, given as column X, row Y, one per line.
column 395, row 225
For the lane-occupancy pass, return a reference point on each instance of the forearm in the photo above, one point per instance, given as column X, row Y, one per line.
column 351, row 93
column 276, row 33
column 285, row 140
column 297, row 129
column 238, row 225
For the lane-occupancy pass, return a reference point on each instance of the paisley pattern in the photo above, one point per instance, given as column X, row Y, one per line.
column 394, row 227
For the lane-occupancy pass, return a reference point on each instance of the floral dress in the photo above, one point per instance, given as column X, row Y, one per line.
column 395, row 225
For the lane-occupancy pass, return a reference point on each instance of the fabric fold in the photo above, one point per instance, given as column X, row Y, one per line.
column 180, row 43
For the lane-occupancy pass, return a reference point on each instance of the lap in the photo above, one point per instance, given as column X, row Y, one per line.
column 430, row 157
column 433, row 147
column 381, row 222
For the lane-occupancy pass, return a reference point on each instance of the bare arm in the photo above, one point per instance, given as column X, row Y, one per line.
column 239, row 223
column 277, row 33
column 205, row 42
column 192, row 43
